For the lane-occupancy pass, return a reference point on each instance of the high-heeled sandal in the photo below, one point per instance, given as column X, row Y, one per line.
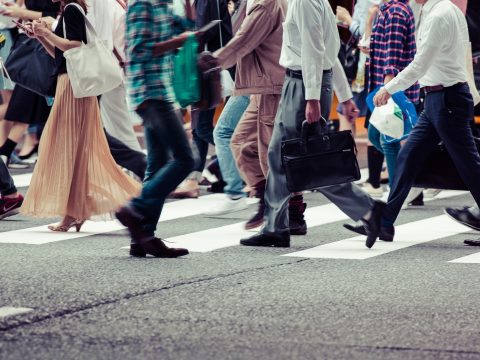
column 64, row 228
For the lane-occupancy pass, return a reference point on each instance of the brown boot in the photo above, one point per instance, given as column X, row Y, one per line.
column 296, row 209
column 257, row 219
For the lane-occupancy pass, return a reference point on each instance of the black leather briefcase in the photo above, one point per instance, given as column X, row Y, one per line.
column 319, row 159
column 439, row 171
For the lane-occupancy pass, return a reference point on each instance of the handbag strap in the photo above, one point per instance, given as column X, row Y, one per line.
column 90, row 29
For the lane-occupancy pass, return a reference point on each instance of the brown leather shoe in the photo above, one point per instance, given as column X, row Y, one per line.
column 156, row 247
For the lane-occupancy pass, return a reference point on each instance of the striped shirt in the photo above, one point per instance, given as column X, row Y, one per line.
column 148, row 77
column 392, row 45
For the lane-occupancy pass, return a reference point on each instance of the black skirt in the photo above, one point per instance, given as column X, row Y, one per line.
column 27, row 107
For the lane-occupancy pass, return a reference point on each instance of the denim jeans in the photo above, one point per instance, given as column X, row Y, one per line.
column 7, row 187
column 202, row 131
column 228, row 121
column 390, row 150
column 169, row 160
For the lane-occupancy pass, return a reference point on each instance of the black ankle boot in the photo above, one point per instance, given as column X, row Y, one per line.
column 257, row 219
column 296, row 219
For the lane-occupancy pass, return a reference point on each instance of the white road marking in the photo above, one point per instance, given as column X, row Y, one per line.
column 7, row 311
column 22, row 180
column 407, row 235
column 172, row 210
column 470, row 259
column 230, row 235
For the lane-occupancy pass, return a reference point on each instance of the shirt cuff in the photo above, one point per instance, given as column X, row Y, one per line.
column 390, row 70
column 312, row 93
column 392, row 87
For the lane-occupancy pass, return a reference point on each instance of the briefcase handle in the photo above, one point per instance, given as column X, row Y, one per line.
column 306, row 127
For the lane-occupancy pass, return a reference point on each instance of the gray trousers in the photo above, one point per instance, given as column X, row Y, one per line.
column 291, row 113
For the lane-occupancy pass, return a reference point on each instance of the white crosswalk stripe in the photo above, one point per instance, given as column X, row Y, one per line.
column 204, row 241
column 470, row 259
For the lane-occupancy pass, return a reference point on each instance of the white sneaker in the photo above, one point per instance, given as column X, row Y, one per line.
column 227, row 206
column 370, row 190
column 431, row 193
column 414, row 192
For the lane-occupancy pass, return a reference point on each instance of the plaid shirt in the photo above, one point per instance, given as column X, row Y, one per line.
column 149, row 22
column 392, row 45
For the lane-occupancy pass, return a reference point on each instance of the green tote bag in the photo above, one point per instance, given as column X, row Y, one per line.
column 186, row 82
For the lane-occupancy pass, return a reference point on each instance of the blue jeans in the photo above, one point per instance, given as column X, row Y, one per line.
column 390, row 150
column 230, row 117
column 7, row 187
column 169, row 160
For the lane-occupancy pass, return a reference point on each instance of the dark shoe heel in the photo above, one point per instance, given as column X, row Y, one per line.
column 136, row 250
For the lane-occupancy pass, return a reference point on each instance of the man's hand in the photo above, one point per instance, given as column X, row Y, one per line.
column 312, row 111
column 350, row 110
column 381, row 98
column 344, row 16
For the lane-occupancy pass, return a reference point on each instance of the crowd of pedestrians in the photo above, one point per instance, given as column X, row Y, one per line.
column 283, row 56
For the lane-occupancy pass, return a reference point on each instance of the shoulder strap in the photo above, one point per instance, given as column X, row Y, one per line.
column 88, row 24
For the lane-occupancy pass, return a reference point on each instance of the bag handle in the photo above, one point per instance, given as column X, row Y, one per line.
column 220, row 23
column 88, row 24
column 305, row 129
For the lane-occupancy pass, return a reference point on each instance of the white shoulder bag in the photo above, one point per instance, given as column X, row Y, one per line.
column 92, row 68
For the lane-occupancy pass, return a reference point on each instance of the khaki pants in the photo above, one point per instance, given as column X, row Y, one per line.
column 252, row 136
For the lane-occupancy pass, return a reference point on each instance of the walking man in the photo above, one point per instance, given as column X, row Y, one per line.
column 440, row 67
column 151, row 95
column 309, row 52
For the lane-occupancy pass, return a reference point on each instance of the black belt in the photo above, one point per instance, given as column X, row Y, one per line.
column 437, row 88
column 297, row 74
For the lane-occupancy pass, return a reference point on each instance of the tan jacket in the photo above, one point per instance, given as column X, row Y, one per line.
column 255, row 49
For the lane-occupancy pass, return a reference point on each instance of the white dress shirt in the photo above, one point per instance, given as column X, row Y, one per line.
column 108, row 18
column 442, row 43
column 310, row 42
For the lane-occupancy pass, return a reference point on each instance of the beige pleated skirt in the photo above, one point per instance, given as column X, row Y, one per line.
column 75, row 173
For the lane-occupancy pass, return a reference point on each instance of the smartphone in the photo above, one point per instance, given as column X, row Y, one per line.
column 23, row 27
column 210, row 25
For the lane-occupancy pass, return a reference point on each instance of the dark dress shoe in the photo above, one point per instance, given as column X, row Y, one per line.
column 136, row 250
column 386, row 234
column 373, row 225
column 464, row 217
column 418, row 201
column 132, row 220
column 156, row 247
column 267, row 240
column 472, row 242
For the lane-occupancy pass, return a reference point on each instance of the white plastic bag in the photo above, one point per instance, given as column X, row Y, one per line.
column 388, row 120
column 227, row 83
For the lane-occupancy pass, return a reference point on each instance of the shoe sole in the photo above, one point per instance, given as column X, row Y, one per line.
column 371, row 240
column 461, row 222
column 298, row 232
column 10, row 213
column 278, row 244
column 18, row 167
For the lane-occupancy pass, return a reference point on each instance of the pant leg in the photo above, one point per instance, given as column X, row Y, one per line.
column 222, row 135
column 7, row 186
column 245, row 145
column 420, row 143
column 390, row 150
column 116, row 117
column 169, row 160
column 290, row 116
column 267, row 110
column 126, row 157
column 452, row 122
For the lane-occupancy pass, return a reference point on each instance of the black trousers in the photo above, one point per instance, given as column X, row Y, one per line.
column 446, row 117
column 135, row 161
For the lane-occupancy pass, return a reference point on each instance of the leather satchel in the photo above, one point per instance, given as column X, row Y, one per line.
column 30, row 66
column 349, row 56
column 439, row 171
column 210, row 82
column 319, row 160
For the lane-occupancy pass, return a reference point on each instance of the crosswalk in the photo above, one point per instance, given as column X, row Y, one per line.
column 221, row 237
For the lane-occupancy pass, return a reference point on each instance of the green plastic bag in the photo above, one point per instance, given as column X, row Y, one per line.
column 186, row 82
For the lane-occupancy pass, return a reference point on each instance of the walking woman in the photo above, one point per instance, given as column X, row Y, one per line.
column 75, row 176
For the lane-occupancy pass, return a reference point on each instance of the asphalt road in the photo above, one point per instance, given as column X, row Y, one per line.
column 89, row 300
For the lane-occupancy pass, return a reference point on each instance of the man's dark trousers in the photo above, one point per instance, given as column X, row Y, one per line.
column 7, row 187
column 130, row 159
column 446, row 117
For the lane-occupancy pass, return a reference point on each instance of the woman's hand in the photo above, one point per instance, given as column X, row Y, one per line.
column 344, row 16
column 41, row 29
column 49, row 21
column 12, row 10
